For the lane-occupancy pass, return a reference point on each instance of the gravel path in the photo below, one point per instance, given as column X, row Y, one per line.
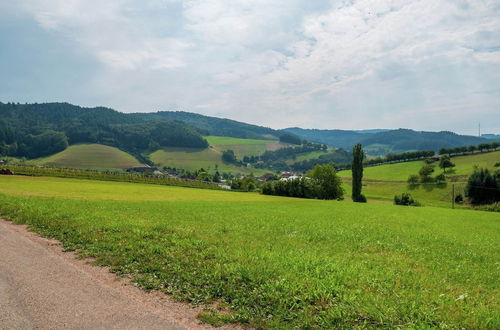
column 42, row 287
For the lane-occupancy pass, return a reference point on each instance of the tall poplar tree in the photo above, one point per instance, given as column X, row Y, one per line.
column 357, row 173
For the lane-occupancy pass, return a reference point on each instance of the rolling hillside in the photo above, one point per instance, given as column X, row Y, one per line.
column 215, row 126
column 91, row 156
column 244, row 147
column 384, row 181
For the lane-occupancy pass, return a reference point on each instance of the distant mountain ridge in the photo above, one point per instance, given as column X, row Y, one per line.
column 380, row 142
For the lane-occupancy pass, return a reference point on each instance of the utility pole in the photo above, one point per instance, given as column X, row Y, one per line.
column 479, row 129
column 453, row 196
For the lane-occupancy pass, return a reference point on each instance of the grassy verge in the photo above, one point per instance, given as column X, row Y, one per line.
column 273, row 262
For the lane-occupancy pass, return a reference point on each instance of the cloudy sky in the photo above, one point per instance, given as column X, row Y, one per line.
column 349, row 64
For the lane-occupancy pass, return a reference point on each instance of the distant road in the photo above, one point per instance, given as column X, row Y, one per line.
column 42, row 289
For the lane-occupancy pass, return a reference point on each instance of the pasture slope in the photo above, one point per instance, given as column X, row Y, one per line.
column 384, row 181
column 89, row 156
column 275, row 262
column 194, row 159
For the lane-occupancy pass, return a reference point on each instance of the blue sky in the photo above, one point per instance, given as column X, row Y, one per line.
column 426, row 65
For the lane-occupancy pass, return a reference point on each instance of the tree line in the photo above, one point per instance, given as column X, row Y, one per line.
column 472, row 148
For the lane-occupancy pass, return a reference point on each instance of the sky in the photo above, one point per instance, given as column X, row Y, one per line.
column 330, row 64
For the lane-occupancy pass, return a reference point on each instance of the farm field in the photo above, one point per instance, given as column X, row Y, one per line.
column 306, row 156
column 275, row 262
column 194, row 159
column 244, row 147
column 90, row 156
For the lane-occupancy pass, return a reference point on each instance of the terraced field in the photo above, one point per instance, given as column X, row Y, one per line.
column 89, row 156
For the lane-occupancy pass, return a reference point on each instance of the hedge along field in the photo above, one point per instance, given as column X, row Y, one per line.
column 274, row 262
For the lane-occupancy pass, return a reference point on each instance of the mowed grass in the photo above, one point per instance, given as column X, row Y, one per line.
column 272, row 262
column 90, row 156
column 401, row 171
column 244, row 147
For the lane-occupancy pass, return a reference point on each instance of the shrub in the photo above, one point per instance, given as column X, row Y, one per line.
column 413, row 179
column 425, row 173
column 483, row 187
column 497, row 165
column 440, row 178
column 406, row 200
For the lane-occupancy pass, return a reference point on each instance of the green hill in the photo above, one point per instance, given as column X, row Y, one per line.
column 384, row 181
column 244, row 147
column 194, row 159
column 215, row 126
column 94, row 156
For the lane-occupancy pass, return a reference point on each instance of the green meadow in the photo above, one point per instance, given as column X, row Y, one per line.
column 243, row 147
column 384, row 181
column 211, row 158
column 275, row 262
column 401, row 171
column 91, row 156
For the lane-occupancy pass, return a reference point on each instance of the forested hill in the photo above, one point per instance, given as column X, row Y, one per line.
column 35, row 130
column 383, row 142
column 216, row 126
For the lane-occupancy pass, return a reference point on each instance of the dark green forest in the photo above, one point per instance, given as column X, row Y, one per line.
column 37, row 130
column 215, row 126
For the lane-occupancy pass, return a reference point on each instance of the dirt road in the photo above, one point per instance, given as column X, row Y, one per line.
column 42, row 287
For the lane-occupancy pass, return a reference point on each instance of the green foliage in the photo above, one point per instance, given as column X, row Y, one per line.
column 357, row 173
column 290, row 138
column 462, row 149
column 413, row 179
column 445, row 162
column 229, row 157
column 214, row 126
column 328, row 184
column 36, row 130
column 244, row 184
column 425, row 173
column 405, row 199
column 299, row 187
column 483, row 187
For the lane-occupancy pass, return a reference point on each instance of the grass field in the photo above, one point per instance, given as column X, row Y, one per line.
column 91, row 156
column 401, row 171
column 244, row 147
column 194, row 159
column 273, row 262
column 306, row 156
column 384, row 181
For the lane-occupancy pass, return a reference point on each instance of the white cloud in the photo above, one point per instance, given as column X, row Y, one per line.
column 329, row 64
